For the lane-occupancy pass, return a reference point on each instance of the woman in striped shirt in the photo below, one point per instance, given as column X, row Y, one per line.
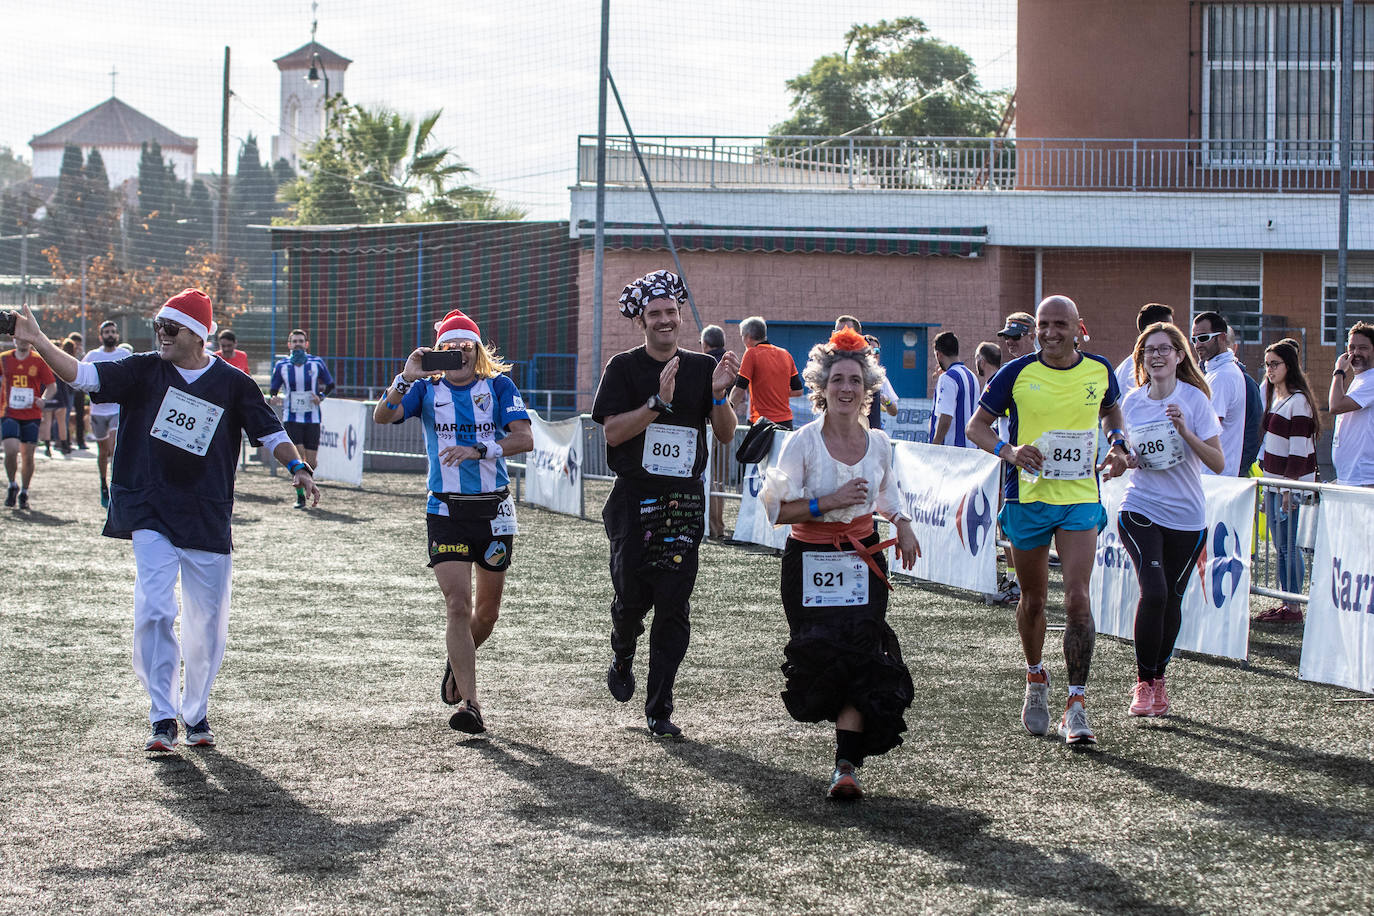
column 1291, row 428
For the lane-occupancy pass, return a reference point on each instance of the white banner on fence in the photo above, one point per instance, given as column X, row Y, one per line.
column 912, row 423
column 343, row 429
column 553, row 470
column 1338, row 639
column 1216, row 606
column 951, row 496
column 752, row 525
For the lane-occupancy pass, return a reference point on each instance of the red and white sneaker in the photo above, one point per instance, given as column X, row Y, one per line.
column 1161, row 705
column 844, row 783
column 1142, row 699
column 1074, row 727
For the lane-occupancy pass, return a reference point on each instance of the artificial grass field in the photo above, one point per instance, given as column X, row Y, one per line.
column 337, row 785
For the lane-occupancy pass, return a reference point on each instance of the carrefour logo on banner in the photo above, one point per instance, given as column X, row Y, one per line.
column 350, row 442
column 1111, row 554
column 974, row 521
column 1221, row 572
column 1362, row 599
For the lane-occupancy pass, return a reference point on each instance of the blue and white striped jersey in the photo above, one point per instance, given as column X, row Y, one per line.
column 463, row 415
column 307, row 378
column 956, row 396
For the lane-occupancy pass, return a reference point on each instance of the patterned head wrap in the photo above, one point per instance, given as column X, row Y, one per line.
column 661, row 284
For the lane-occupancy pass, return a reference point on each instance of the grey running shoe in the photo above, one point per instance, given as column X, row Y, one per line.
column 844, row 783
column 1035, row 710
column 1074, row 727
column 1008, row 591
column 164, row 736
column 199, row 735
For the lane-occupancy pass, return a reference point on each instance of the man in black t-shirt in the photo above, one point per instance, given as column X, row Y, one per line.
column 182, row 416
column 654, row 402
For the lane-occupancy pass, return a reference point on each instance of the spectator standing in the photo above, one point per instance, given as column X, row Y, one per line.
column 987, row 360
column 79, row 400
column 1150, row 313
column 767, row 374
column 956, row 395
column 713, row 345
column 1212, row 342
column 1352, row 393
column 230, row 353
column 307, row 381
column 1289, row 449
column 105, row 417
column 885, row 401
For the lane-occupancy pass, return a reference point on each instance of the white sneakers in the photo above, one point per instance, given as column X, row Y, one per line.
column 1035, row 711
column 1074, row 727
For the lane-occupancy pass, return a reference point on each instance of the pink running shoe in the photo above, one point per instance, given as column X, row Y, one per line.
column 1142, row 699
column 1161, row 705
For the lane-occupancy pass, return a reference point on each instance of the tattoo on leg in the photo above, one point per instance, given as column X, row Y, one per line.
column 1078, row 649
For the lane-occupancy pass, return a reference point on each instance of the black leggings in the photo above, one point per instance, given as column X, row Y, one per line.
column 1164, row 560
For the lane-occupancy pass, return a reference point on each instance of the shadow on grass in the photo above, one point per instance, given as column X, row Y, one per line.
column 574, row 794
column 324, row 515
column 1343, row 767
column 34, row 517
column 240, row 811
column 1260, row 810
column 955, row 835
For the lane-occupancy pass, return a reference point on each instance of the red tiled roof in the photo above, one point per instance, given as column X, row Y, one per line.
column 302, row 55
column 113, row 123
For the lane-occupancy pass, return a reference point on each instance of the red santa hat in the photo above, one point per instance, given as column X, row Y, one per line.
column 456, row 326
column 191, row 308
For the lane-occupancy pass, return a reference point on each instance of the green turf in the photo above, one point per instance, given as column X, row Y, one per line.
column 338, row 786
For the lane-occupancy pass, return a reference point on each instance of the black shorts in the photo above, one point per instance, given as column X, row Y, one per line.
column 467, row 541
column 306, row 435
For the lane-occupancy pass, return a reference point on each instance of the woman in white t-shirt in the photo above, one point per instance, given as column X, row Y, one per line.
column 843, row 663
column 1163, row 523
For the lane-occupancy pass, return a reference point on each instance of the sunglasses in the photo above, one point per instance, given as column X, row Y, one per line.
column 1203, row 338
column 170, row 328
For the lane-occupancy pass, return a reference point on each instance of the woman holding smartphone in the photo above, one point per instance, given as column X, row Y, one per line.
column 473, row 416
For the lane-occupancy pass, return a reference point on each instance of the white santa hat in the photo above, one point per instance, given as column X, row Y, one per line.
column 456, row 326
column 191, row 308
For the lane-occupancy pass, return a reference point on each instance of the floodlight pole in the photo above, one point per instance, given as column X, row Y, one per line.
column 1347, row 128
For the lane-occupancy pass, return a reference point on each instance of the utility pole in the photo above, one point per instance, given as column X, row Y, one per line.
column 223, row 246
column 599, row 244
column 1347, row 128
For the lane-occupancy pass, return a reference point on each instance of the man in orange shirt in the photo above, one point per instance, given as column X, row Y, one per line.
column 229, row 352
column 767, row 374
column 25, row 378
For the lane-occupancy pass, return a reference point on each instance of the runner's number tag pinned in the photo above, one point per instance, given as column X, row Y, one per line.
column 21, row 398
column 301, row 402
column 670, row 451
column 1068, row 454
column 833, row 580
column 186, row 421
column 1158, row 445
column 504, row 523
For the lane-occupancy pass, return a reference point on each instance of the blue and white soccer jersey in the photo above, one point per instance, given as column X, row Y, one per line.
column 464, row 415
column 297, row 383
column 956, row 397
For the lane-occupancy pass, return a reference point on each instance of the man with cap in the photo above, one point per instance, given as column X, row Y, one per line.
column 307, row 382
column 105, row 417
column 654, row 402
column 182, row 416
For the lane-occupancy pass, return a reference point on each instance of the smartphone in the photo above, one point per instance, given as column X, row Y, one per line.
column 442, row 360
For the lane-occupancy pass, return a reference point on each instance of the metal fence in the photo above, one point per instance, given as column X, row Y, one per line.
column 980, row 163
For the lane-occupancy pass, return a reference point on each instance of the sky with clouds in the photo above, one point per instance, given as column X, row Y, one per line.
column 516, row 80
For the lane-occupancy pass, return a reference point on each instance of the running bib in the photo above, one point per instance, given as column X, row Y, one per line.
column 300, row 402
column 21, row 398
column 504, row 523
column 1158, row 445
column 186, row 421
column 833, row 580
column 670, row 451
column 1068, row 454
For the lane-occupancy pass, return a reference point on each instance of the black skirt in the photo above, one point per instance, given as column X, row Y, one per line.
column 844, row 656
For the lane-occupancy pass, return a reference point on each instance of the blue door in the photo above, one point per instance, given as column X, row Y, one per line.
column 904, row 348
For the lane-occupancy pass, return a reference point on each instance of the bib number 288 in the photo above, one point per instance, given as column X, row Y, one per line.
column 177, row 418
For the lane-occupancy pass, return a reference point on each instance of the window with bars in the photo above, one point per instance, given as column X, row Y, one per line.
column 1359, row 295
column 1231, row 283
column 1271, row 82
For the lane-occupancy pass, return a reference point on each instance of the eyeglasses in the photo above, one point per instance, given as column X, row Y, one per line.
column 1269, row 365
column 1158, row 351
column 170, row 328
column 1203, row 338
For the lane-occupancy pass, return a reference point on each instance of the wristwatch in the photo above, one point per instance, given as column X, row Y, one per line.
column 481, row 448
column 1340, row 372
column 658, row 405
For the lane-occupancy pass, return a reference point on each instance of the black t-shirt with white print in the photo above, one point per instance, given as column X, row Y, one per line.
column 630, row 379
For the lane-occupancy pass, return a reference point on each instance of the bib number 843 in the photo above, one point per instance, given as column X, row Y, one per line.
column 1074, row 455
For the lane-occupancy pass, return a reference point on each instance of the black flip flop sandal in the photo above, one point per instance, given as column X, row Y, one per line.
column 468, row 719
column 448, row 687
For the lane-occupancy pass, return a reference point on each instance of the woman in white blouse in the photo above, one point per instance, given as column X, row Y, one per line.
column 843, row 663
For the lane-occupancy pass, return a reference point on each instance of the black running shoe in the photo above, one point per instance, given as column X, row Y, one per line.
column 199, row 735
column 620, row 679
column 23, row 499
column 468, row 719
column 664, row 728
column 164, row 736
column 11, row 495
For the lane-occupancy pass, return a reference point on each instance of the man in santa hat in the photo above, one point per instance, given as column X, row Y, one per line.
column 182, row 416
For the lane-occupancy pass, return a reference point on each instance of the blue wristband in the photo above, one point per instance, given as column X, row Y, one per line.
column 389, row 405
column 719, row 401
column 815, row 508
column 295, row 466
column 997, row 449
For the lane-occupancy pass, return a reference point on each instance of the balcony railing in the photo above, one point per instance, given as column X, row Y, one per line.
column 980, row 163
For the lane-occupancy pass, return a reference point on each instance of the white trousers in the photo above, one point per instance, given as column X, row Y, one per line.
column 158, row 657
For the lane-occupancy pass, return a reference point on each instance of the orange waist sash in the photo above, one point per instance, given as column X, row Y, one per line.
column 846, row 536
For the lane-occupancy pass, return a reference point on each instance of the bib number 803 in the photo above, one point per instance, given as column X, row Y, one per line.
column 177, row 418
column 666, row 450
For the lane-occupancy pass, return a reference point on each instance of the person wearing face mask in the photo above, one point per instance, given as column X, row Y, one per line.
column 183, row 417
column 655, row 402
column 1350, row 399
column 1163, row 522
column 105, row 417
column 307, row 381
column 1212, row 343
column 843, row 663
column 1056, row 400
column 473, row 419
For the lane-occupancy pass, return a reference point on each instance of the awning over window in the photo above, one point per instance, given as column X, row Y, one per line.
column 965, row 242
